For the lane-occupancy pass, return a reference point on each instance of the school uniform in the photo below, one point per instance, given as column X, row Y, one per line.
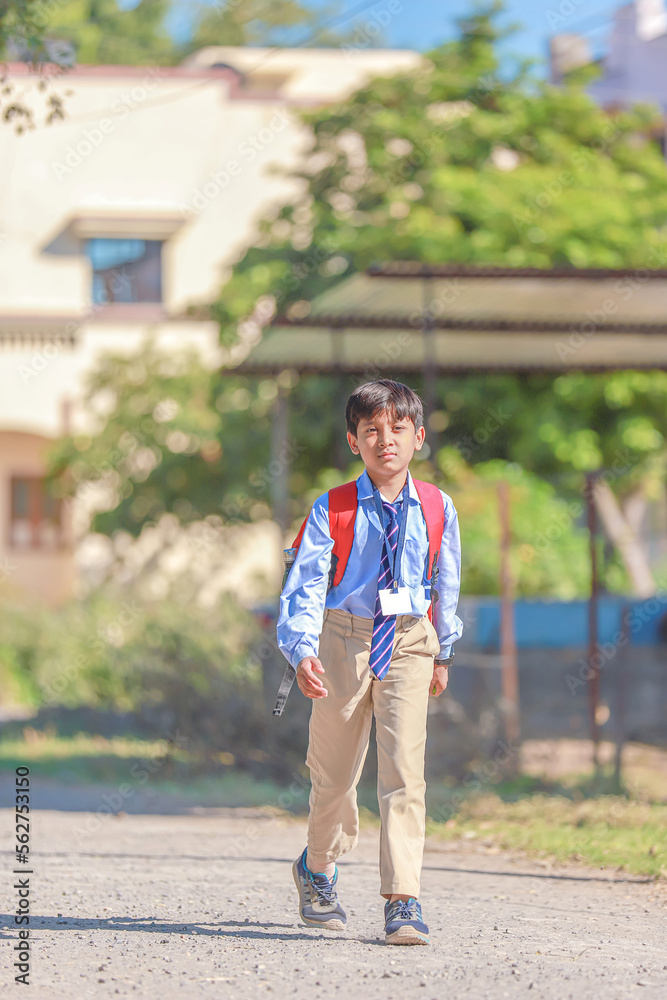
column 337, row 626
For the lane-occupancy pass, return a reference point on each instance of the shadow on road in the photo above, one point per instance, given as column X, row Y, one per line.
column 551, row 876
column 222, row 928
column 639, row 879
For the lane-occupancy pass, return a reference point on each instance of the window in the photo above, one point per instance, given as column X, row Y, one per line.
column 35, row 515
column 125, row 270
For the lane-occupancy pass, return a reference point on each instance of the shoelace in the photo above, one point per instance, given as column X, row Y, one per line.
column 407, row 910
column 324, row 889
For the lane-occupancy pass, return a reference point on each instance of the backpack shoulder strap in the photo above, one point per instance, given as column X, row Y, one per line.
column 297, row 541
column 433, row 507
column 342, row 515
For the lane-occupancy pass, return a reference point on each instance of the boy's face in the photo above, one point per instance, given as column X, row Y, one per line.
column 386, row 443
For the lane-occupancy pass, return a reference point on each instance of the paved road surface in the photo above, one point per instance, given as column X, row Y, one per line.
column 204, row 906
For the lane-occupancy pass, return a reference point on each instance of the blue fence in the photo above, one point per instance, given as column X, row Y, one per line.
column 557, row 624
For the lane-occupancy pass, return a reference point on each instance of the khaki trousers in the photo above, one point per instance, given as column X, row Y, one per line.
column 338, row 742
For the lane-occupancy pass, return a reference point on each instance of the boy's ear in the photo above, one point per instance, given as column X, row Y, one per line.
column 352, row 441
column 419, row 438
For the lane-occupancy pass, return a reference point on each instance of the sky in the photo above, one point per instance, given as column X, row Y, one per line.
column 421, row 24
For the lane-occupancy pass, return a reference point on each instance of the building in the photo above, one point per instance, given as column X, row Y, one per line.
column 632, row 69
column 122, row 221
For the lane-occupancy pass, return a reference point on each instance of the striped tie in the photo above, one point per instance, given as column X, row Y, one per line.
column 384, row 626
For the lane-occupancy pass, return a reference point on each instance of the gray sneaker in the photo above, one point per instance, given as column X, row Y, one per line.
column 403, row 922
column 318, row 902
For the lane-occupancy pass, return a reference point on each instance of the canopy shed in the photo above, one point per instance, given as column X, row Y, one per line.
column 454, row 319
column 402, row 319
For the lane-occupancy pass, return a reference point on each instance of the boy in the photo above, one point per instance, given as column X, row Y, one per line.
column 366, row 647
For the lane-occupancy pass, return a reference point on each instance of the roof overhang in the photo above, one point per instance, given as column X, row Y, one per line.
column 450, row 318
column 156, row 226
column 114, row 223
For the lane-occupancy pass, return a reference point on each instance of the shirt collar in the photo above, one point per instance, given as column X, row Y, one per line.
column 365, row 487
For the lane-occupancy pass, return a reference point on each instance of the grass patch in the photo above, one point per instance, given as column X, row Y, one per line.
column 572, row 819
column 167, row 770
column 608, row 831
column 86, row 758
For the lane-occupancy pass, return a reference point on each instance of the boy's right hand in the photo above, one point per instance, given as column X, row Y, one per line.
column 307, row 679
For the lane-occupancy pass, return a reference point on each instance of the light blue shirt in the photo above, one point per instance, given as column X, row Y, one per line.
column 304, row 597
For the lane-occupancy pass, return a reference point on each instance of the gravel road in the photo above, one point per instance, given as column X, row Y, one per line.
column 203, row 905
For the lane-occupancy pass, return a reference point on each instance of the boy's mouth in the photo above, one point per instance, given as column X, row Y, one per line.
column 388, row 454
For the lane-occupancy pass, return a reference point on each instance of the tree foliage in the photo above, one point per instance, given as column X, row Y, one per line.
column 106, row 32
column 53, row 35
column 456, row 161
column 461, row 161
column 173, row 440
column 22, row 22
column 263, row 22
column 181, row 670
column 23, row 35
column 102, row 32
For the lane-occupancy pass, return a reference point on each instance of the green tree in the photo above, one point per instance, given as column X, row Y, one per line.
column 549, row 554
column 173, row 439
column 52, row 36
column 21, row 20
column 262, row 22
column 55, row 35
column 22, row 31
column 103, row 32
column 460, row 161
column 563, row 427
column 157, row 442
column 456, row 161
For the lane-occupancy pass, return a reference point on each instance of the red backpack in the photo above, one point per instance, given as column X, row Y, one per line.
column 342, row 515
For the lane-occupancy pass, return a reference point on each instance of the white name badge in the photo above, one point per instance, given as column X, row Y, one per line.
column 395, row 602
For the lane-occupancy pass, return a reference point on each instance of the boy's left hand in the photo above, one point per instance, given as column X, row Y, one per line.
column 439, row 680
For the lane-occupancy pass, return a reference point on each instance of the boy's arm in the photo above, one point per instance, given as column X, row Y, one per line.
column 447, row 623
column 302, row 601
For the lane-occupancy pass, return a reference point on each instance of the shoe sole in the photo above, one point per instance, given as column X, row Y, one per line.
column 327, row 925
column 406, row 936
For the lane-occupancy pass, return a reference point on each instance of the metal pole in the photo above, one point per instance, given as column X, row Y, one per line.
column 593, row 673
column 621, row 693
column 510, row 672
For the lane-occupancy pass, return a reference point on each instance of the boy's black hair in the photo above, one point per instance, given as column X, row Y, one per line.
column 383, row 394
